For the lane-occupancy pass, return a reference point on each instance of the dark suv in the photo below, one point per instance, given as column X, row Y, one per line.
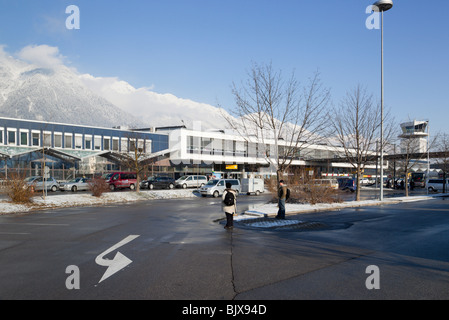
column 158, row 183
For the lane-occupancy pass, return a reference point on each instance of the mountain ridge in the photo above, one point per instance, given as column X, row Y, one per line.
column 54, row 94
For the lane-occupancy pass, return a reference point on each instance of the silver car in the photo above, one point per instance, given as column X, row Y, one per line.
column 74, row 185
column 216, row 187
column 37, row 183
column 194, row 181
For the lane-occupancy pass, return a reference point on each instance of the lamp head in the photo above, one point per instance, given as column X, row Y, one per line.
column 384, row 5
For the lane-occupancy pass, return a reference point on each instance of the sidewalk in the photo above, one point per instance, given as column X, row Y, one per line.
column 271, row 209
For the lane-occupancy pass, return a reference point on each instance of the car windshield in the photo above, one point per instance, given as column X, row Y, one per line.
column 183, row 178
column 212, row 182
column 75, row 180
column 30, row 179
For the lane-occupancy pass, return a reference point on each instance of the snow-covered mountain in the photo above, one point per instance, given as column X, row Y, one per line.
column 54, row 94
column 57, row 93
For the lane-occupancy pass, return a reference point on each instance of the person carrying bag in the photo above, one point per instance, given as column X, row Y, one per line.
column 229, row 205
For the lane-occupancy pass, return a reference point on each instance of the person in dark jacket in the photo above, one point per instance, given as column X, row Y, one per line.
column 229, row 210
column 282, row 195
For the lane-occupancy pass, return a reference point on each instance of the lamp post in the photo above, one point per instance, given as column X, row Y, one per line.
column 382, row 5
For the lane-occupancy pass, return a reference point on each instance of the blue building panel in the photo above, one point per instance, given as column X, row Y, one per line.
column 20, row 133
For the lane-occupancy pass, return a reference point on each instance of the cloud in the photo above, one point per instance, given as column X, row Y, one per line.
column 151, row 107
column 156, row 109
column 42, row 56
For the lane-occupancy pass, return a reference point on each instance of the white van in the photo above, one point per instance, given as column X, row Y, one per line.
column 252, row 185
column 216, row 187
column 436, row 185
column 331, row 183
column 192, row 181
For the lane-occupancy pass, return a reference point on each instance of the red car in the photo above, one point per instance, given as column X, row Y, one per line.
column 122, row 180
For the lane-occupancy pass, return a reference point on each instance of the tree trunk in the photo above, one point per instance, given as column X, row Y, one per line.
column 357, row 197
column 406, row 182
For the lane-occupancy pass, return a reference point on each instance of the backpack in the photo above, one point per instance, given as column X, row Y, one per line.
column 229, row 199
column 287, row 196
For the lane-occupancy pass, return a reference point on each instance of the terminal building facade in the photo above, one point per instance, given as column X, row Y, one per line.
column 71, row 150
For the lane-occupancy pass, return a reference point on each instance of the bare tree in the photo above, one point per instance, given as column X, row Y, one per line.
column 413, row 151
column 276, row 111
column 135, row 157
column 355, row 125
column 442, row 146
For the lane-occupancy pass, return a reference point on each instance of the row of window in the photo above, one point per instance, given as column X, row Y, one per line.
column 210, row 146
column 35, row 138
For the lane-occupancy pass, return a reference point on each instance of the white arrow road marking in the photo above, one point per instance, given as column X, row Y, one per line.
column 118, row 263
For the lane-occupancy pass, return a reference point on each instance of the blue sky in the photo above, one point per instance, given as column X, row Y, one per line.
column 196, row 49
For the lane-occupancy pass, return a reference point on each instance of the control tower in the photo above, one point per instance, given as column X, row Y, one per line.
column 414, row 136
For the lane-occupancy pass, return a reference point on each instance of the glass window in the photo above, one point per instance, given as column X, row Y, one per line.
column 218, row 146
column 124, row 145
column 78, row 141
column 23, row 138
column 11, row 137
column 68, row 141
column 106, row 144
column 47, row 139
column 97, row 143
column 1, row 136
column 229, row 147
column 206, row 145
column 147, row 146
column 35, row 139
column 115, row 144
column 58, row 140
column 132, row 145
column 88, row 142
column 240, row 148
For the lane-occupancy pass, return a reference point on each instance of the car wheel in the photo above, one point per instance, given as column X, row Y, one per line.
column 257, row 192
column 111, row 187
column 150, row 186
column 74, row 189
column 171, row 186
column 216, row 194
column 132, row 187
column 54, row 188
column 184, row 186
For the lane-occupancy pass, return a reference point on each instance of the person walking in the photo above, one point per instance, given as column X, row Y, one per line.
column 229, row 205
column 282, row 195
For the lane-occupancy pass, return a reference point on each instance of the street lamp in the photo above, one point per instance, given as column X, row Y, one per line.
column 382, row 5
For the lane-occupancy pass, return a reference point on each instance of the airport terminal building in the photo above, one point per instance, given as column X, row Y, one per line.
column 71, row 150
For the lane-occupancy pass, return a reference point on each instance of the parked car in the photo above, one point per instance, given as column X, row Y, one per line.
column 122, row 180
column 331, row 183
column 37, row 183
column 216, row 187
column 349, row 184
column 367, row 182
column 158, row 183
column 74, row 185
column 193, row 181
column 436, row 185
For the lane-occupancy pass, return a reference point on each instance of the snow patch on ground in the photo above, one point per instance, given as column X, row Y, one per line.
column 86, row 199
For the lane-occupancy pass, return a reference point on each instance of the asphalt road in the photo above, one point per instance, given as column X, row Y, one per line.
column 179, row 250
